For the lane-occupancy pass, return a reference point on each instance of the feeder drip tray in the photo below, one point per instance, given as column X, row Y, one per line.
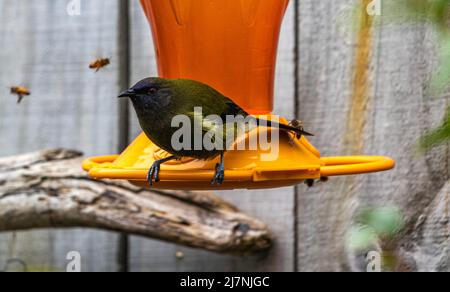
column 297, row 161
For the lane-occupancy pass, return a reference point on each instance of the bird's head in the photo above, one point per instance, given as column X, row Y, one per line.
column 150, row 93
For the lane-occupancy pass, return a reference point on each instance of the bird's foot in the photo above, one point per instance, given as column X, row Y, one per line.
column 153, row 173
column 219, row 177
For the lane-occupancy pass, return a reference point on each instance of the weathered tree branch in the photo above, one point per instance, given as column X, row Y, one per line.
column 48, row 189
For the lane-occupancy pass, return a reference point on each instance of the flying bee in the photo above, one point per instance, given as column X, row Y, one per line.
column 99, row 64
column 21, row 92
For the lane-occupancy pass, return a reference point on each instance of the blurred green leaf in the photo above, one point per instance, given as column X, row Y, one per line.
column 441, row 78
column 386, row 222
column 362, row 238
column 439, row 13
column 438, row 136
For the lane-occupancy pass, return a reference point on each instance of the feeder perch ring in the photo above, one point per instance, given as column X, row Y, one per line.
column 296, row 163
column 102, row 167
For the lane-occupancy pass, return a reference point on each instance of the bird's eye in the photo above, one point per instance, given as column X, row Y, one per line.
column 153, row 90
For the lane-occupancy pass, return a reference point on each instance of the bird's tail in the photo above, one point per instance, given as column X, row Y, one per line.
column 299, row 131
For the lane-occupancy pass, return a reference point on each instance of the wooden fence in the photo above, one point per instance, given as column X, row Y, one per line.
column 361, row 89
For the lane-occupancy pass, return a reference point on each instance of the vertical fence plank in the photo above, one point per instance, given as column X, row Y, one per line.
column 274, row 207
column 124, row 44
column 400, row 112
column 384, row 113
column 325, row 78
column 48, row 51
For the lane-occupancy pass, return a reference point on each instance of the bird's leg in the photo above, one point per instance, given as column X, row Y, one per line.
column 219, row 177
column 155, row 169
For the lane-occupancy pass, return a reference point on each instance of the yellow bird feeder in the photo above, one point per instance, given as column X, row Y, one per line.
column 232, row 46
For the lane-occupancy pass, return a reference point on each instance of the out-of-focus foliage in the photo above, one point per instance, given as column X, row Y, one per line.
column 373, row 225
column 362, row 238
column 386, row 222
column 437, row 136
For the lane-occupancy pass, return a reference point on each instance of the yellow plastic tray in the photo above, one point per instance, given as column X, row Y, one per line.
column 298, row 161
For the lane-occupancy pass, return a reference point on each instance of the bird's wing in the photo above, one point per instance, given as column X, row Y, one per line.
column 189, row 94
column 232, row 109
column 214, row 129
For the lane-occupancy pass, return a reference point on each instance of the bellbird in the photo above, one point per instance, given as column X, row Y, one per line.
column 158, row 100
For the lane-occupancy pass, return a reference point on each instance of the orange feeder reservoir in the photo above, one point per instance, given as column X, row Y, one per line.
column 232, row 46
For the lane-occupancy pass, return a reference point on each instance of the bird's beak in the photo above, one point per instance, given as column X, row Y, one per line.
column 128, row 93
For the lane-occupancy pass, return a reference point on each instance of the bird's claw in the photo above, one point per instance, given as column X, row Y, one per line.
column 154, row 173
column 219, row 177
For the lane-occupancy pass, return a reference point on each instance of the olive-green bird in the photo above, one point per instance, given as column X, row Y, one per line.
column 158, row 101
